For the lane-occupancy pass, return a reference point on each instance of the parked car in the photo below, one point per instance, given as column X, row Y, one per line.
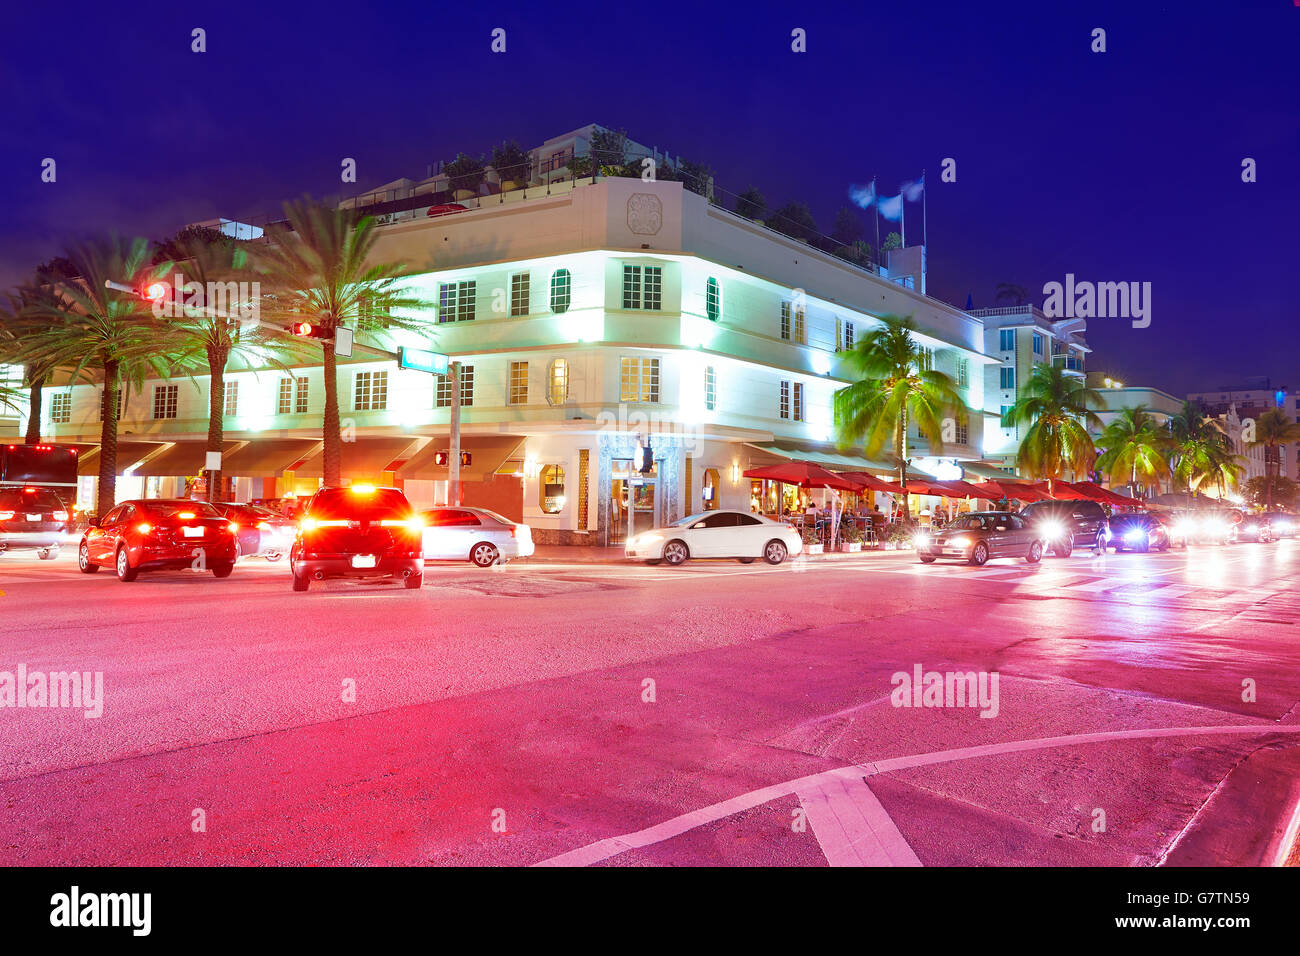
column 159, row 533
column 1255, row 527
column 1284, row 524
column 1212, row 526
column 1138, row 531
column 717, row 534
column 260, row 531
column 1175, row 525
column 1066, row 525
column 358, row 532
column 980, row 536
column 32, row 518
column 477, row 535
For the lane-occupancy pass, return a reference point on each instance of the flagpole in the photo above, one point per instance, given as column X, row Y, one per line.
column 875, row 204
column 925, row 235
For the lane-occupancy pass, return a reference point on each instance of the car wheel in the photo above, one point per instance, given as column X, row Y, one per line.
column 301, row 582
column 676, row 552
column 747, row 560
column 413, row 581
column 124, row 570
column 774, row 552
column 47, row 554
column 926, row 558
column 652, row 561
column 1064, row 549
column 484, row 554
column 223, row 569
column 980, row 556
column 1035, row 553
column 84, row 564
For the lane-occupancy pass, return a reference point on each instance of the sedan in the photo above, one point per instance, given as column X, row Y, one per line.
column 477, row 535
column 980, row 536
column 34, row 518
column 1138, row 531
column 145, row 535
column 1256, row 527
column 260, row 532
column 717, row 534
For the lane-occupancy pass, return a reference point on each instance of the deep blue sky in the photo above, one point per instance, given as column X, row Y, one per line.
column 1115, row 166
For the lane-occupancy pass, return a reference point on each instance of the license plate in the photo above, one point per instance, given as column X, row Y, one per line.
column 363, row 560
column 33, row 517
column 193, row 532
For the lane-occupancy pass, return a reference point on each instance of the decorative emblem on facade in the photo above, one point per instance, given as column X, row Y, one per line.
column 645, row 214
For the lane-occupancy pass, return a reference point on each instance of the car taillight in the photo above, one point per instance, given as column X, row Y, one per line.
column 233, row 526
column 264, row 526
column 415, row 524
column 60, row 516
column 512, row 531
column 144, row 527
column 6, row 515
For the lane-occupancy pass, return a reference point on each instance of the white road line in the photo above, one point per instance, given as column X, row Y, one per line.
column 604, row 849
column 852, row 827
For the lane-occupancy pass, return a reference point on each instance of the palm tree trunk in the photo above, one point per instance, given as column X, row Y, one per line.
column 1268, row 478
column 333, row 452
column 901, row 447
column 217, row 356
column 106, row 494
column 36, row 388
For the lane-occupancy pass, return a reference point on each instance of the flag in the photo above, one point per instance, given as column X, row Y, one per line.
column 863, row 196
column 970, row 303
column 912, row 192
column 891, row 207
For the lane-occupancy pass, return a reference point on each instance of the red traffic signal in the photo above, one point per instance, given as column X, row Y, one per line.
column 156, row 291
column 443, row 458
column 310, row 331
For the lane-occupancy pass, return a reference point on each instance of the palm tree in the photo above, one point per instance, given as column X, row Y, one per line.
column 1222, row 468
column 1273, row 430
column 35, row 372
column 1135, row 448
column 1056, row 408
column 80, row 325
column 207, row 257
column 1016, row 294
column 317, row 266
column 895, row 385
column 1200, row 449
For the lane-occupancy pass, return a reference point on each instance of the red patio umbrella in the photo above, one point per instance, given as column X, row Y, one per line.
column 804, row 474
column 869, row 482
column 1065, row 491
column 989, row 490
column 1024, row 491
column 1094, row 492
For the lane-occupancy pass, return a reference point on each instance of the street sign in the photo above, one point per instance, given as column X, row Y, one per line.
column 422, row 360
column 212, row 461
column 343, row 342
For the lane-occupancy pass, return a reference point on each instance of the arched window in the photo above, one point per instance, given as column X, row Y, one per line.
column 550, row 489
column 713, row 299
column 557, row 382
column 561, row 283
column 709, row 489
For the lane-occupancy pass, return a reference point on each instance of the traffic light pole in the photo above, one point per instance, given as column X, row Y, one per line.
column 453, row 458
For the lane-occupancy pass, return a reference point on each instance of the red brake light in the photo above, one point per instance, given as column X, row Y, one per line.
column 60, row 516
column 144, row 527
column 6, row 515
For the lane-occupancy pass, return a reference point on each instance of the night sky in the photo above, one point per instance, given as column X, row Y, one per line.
column 1122, row 166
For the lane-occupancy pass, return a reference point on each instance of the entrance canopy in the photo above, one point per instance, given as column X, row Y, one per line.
column 128, row 453
column 363, row 458
column 181, row 459
column 266, row 457
column 487, row 454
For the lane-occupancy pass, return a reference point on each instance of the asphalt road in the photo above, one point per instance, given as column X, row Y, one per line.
column 626, row 715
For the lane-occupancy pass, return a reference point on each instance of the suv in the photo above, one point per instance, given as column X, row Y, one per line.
column 1066, row 525
column 32, row 518
column 358, row 532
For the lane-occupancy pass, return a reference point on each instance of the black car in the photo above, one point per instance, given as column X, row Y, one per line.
column 1138, row 531
column 358, row 532
column 1066, row 525
column 982, row 535
column 1255, row 527
column 32, row 518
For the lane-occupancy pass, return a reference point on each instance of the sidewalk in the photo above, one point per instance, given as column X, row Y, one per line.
column 576, row 554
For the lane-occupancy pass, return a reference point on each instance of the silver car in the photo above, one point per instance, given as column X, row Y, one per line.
column 480, row 536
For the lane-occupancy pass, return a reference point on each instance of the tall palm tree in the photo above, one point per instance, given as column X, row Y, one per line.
column 1200, row 449
column 1221, row 468
column 317, row 267
column 895, row 385
column 1015, row 294
column 1273, row 430
column 1135, row 448
column 1056, row 407
column 216, row 330
column 80, row 325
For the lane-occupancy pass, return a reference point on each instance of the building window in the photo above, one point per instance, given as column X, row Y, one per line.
column 456, row 301
column 785, row 320
column 798, row 401
column 550, row 489
column 518, row 383
column 710, row 388
column 557, row 382
column 561, row 284
column 713, row 299
column 963, row 373
column 121, row 403
column 443, row 399
column 963, row 428
column 792, row 323
column 1007, row 340
column 638, row 380
column 785, row 399
column 709, row 489
column 292, row 398
column 1007, row 423
column 1007, row 377
column 849, row 334
column 370, row 391
column 643, row 287
column 1038, row 343
column 519, row 293
column 230, row 401
column 925, row 359
column 584, row 473
column 61, row 408
column 164, row 400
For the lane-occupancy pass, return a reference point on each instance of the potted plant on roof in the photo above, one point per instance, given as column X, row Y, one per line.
column 464, row 176
column 511, row 163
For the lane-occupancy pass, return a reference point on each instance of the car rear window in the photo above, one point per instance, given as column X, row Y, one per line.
column 35, row 499
column 166, row 510
column 335, row 503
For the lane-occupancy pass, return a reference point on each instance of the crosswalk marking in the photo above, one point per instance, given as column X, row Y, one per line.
column 852, row 827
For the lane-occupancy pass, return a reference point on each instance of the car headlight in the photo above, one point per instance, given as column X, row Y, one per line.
column 649, row 537
column 961, row 541
column 1052, row 530
column 1134, row 534
column 920, row 541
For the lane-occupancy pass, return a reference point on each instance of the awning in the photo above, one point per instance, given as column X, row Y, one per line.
column 181, row 459
column 831, row 459
column 987, row 491
column 487, row 454
column 981, row 470
column 266, row 457
column 1024, row 491
column 363, row 458
column 804, row 474
column 869, row 482
column 128, row 453
column 1100, row 494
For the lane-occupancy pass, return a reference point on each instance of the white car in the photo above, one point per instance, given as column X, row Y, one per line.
column 717, row 534
column 475, row 534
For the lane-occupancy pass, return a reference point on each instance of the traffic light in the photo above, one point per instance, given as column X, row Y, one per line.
column 156, row 292
column 465, row 458
column 307, row 330
column 443, row 458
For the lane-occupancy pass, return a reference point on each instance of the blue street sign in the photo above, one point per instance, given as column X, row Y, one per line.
column 422, row 360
